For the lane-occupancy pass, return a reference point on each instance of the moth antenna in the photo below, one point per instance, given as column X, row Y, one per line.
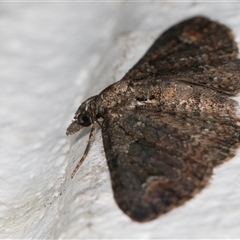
column 99, row 123
column 91, row 136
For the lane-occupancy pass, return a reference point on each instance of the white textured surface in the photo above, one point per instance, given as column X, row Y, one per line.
column 52, row 57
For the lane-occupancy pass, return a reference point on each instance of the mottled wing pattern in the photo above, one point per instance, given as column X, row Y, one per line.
column 158, row 160
column 196, row 39
column 170, row 120
column 198, row 51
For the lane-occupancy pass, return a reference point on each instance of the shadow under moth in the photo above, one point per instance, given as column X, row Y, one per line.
column 170, row 120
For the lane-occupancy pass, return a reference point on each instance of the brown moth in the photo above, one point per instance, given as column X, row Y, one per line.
column 170, row 120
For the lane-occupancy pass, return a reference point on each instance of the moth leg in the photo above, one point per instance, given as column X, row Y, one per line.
column 90, row 140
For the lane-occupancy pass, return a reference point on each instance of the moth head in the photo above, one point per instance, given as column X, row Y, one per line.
column 83, row 117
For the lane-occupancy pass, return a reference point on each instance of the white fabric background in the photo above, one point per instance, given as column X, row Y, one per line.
column 52, row 57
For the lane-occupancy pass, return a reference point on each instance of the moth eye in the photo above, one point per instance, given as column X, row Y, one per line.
column 84, row 120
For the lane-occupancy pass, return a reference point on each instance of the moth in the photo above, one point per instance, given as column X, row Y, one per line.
column 170, row 120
